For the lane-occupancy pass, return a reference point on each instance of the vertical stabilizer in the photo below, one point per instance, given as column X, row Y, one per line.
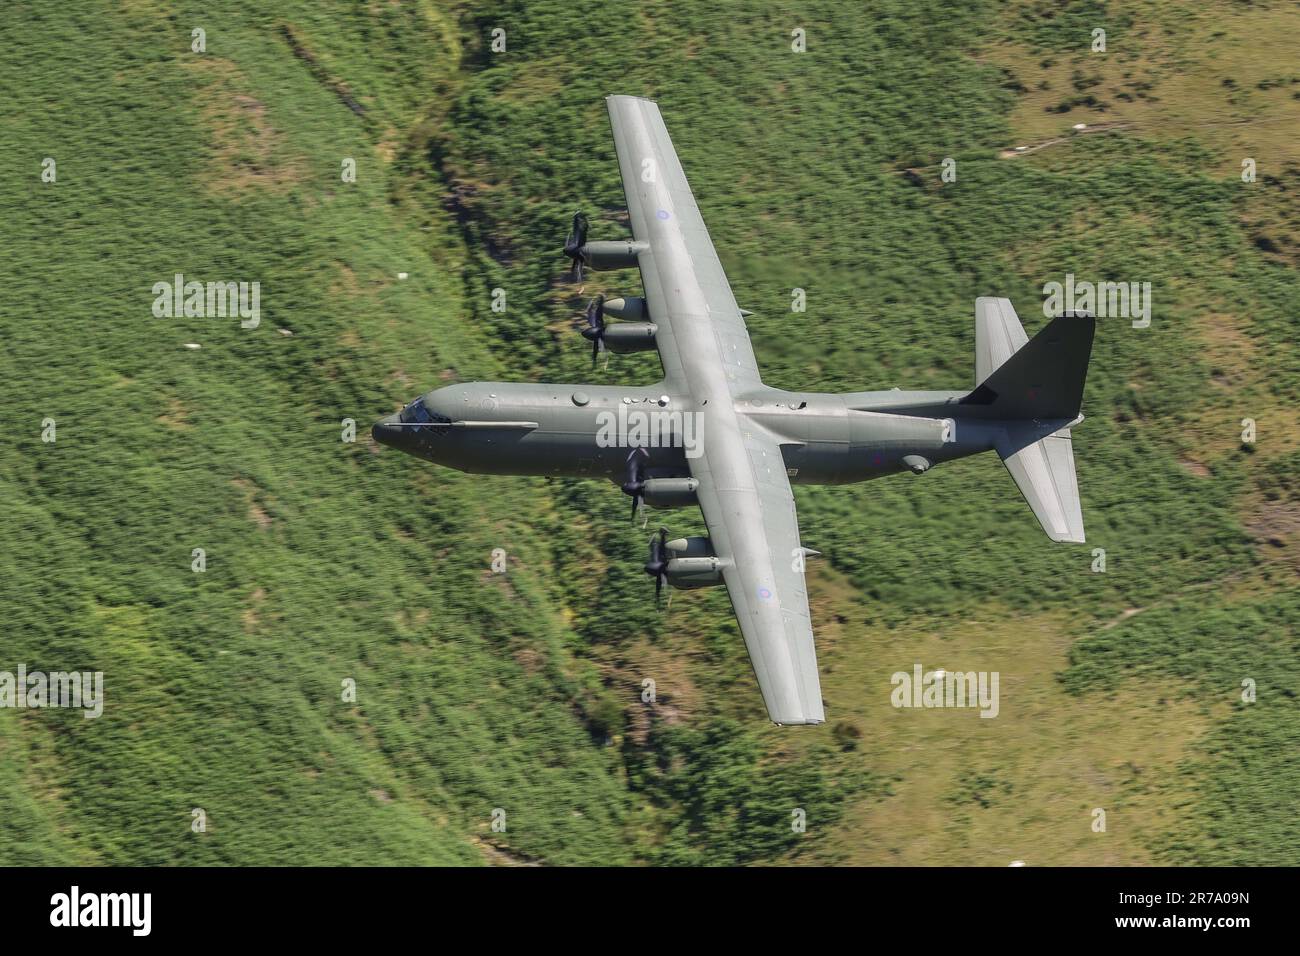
column 998, row 335
column 1033, row 389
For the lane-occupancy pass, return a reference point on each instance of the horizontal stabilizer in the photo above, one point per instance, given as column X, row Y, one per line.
column 1044, row 472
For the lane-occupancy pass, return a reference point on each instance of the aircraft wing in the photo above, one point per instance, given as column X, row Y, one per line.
column 680, row 272
column 756, row 533
column 743, row 489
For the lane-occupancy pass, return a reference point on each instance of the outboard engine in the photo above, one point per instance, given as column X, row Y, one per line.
column 603, row 254
column 683, row 562
column 629, row 309
column 615, row 254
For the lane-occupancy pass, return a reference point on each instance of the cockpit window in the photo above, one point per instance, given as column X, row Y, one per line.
column 416, row 413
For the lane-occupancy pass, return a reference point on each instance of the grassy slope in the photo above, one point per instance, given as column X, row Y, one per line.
column 797, row 162
column 324, row 561
column 328, row 561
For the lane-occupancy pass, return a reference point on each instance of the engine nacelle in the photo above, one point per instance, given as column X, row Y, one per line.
column 694, row 547
column 630, row 336
column 627, row 308
column 670, row 493
column 701, row 572
column 612, row 255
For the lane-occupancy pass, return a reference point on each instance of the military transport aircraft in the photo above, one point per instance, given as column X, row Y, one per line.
column 711, row 433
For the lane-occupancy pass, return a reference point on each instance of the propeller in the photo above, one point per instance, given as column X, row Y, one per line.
column 574, row 243
column 657, row 566
column 635, row 483
column 594, row 332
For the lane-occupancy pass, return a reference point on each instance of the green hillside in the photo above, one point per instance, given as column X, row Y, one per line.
column 329, row 561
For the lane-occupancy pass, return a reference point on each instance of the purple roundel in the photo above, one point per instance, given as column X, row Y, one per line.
column 765, row 594
column 662, row 214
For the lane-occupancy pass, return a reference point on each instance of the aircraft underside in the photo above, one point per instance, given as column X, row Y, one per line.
column 712, row 435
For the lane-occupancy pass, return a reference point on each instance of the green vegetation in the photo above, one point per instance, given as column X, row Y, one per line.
column 329, row 561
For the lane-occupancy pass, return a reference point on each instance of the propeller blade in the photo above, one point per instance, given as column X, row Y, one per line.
column 577, row 238
column 634, row 485
column 658, row 563
column 594, row 331
column 577, row 235
column 634, row 460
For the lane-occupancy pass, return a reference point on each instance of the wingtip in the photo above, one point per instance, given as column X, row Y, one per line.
column 629, row 96
column 805, row 716
column 1068, row 537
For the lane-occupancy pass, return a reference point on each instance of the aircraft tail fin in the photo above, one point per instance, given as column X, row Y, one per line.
column 998, row 335
column 1035, row 387
column 1040, row 378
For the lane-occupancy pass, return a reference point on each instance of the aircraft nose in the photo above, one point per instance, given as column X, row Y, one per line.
column 387, row 431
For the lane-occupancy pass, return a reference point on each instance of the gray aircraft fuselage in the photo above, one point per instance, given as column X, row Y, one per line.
column 710, row 434
column 587, row 431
